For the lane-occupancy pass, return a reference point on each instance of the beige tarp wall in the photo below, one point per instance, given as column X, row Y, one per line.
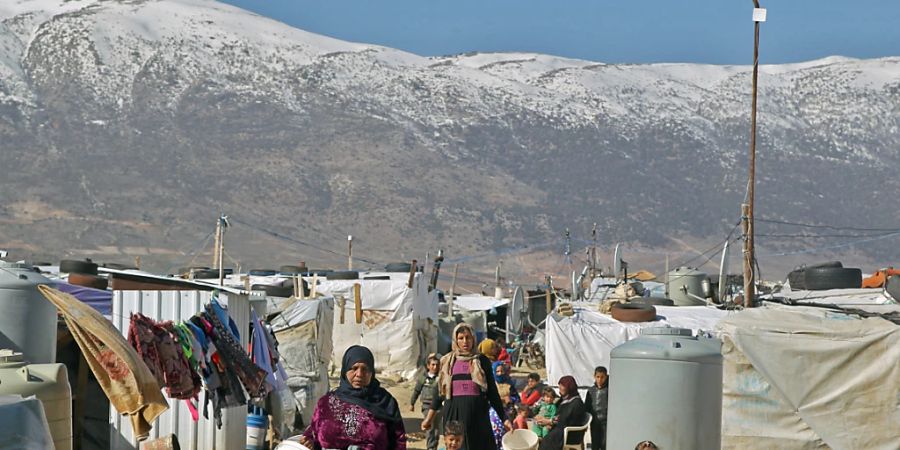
column 803, row 378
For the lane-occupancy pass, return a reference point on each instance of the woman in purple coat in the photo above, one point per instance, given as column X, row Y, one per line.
column 359, row 412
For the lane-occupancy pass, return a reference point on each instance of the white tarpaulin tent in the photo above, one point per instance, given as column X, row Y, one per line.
column 579, row 343
column 304, row 333
column 479, row 302
column 399, row 324
column 840, row 297
column 806, row 378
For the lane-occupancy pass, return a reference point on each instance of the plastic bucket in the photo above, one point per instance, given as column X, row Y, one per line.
column 256, row 431
column 291, row 443
column 520, row 440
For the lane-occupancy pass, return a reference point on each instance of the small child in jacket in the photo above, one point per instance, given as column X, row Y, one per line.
column 545, row 408
column 426, row 386
column 597, row 404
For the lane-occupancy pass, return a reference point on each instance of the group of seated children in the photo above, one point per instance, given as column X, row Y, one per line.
column 540, row 403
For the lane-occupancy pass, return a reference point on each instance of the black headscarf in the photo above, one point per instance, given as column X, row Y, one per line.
column 373, row 397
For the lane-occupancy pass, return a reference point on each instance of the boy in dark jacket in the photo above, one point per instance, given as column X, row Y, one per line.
column 597, row 403
column 426, row 386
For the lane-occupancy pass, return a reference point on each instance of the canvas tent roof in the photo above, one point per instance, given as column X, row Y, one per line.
column 802, row 378
column 577, row 344
column 479, row 302
column 399, row 323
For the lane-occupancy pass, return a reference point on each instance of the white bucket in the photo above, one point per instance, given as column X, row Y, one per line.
column 520, row 440
column 291, row 443
column 256, row 431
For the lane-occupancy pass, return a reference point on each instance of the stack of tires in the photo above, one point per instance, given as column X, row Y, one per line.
column 83, row 273
column 824, row 276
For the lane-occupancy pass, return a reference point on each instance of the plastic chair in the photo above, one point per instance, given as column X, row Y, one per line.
column 583, row 428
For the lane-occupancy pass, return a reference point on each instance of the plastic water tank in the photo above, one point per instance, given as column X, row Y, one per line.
column 28, row 320
column 688, row 286
column 49, row 383
column 666, row 387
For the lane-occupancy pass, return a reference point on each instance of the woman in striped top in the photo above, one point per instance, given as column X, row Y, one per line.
column 467, row 391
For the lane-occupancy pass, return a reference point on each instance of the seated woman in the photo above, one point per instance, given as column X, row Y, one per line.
column 359, row 412
column 506, row 388
column 570, row 413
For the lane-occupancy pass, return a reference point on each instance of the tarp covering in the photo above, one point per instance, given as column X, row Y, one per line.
column 100, row 300
column 479, row 302
column 577, row 344
column 399, row 324
column 805, row 378
column 304, row 333
column 840, row 297
column 24, row 424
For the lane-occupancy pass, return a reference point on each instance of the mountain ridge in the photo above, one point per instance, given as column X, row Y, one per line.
column 140, row 111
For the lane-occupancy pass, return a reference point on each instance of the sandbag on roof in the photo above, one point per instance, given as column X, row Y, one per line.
column 805, row 378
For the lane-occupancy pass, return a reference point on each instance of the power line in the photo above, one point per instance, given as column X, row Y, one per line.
column 712, row 249
column 278, row 235
column 830, row 227
column 831, row 247
column 816, row 236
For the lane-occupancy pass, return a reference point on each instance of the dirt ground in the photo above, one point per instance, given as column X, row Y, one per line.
column 402, row 391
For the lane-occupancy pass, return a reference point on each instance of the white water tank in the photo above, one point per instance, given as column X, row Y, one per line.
column 666, row 387
column 28, row 320
column 49, row 383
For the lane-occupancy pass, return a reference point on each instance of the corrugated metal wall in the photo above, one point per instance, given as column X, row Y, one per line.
column 203, row 434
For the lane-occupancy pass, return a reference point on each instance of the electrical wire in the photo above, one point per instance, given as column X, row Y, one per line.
column 831, row 247
column 282, row 237
column 195, row 252
column 712, row 249
column 830, row 227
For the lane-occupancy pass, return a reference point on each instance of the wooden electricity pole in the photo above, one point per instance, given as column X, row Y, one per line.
column 759, row 15
column 349, row 252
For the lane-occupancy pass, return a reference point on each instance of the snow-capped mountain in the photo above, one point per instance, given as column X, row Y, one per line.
column 133, row 123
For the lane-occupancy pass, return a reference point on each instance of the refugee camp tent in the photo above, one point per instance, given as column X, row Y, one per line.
column 577, row 344
column 808, row 378
column 479, row 302
column 839, row 297
column 303, row 329
column 398, row 323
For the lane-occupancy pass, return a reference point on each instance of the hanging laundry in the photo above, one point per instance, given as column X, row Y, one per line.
column 122, row 374
column 165, row 356
column 233, row 356
column 223, row 388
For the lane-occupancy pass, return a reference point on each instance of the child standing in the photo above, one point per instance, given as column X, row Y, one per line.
column 453, row 435
column 426, row 386
column 597, row 403
column 545, row 408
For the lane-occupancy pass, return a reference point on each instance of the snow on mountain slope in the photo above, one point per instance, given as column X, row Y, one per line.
column 111, row 43
column 488, row 147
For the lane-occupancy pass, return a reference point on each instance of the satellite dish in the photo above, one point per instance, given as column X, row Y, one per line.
column 617, row 262
column 723, row 272
column 516, row 311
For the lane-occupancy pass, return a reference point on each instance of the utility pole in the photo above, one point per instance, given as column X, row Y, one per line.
column 436, row 270
column 350, row 252
column 498, row 290
column 759, row 15
column 593, row 251
column 452, row 288
column 220, row 247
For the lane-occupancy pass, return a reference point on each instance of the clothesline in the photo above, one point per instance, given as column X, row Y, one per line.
column 203, row 353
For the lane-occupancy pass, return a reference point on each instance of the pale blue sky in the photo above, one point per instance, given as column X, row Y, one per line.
column 621, row 31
